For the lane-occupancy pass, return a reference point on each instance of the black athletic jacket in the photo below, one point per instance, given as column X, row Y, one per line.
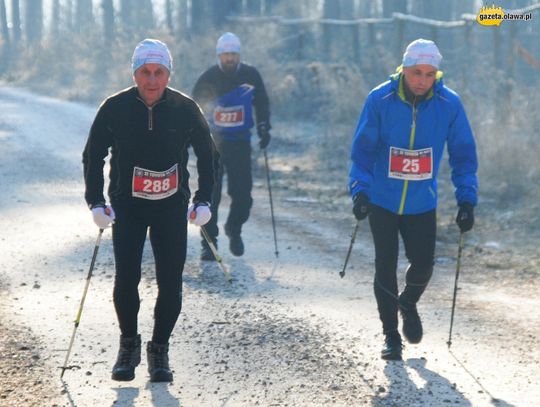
column 148, row 140
column 214, row 83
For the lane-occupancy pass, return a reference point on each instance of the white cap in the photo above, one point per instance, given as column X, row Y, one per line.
column 228, row 42
column 422, row 52
column 151, row 51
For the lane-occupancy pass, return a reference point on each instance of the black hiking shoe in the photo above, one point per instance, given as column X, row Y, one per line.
column 236, row 245
column 129, row 357
column 392, row 346
column 412, row 325
column 158, row 362
column 206, row 252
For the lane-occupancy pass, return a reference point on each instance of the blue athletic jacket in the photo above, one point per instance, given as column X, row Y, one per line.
column 229, row 100
column 397, row 148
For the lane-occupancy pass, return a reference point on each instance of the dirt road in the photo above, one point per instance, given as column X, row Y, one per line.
column 286, row 332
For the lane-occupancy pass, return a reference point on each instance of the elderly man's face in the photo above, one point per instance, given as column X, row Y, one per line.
column 229, row 61
column 420, row 78
column 151, row 81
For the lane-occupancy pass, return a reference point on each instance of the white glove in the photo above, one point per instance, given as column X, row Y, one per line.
column 199, row 214
column 103, row 216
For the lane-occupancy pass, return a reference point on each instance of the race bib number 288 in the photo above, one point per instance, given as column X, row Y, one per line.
column 154, row 185
column 411, row 165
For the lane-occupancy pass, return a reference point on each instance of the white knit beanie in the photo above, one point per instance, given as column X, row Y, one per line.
column 422, row 52
column 228, row 42
column 150, row 51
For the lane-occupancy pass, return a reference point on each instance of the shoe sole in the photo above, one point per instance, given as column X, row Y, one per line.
column 161, row 377
column 392, row 356
column 120, row 378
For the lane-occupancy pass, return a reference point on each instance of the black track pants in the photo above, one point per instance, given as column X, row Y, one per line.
column 235, row 160
column 418, row 233
column 168, row 237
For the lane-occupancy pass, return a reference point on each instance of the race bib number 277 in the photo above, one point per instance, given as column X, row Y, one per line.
column 231, row 116
column 154, row 185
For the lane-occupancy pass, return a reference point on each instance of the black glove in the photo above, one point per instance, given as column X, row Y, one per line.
column 465, row 216
column 264, row 135
column 361, row 206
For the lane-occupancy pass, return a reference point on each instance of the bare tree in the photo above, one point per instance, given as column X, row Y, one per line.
column 4, row 31
column 169, row 16
column 393, row 6
column 33, row 13
column 108, row 20
column 84, row 16
column 126, row 15
column 55, row 19
column 143, row 16
column 16, row 21
column 68, row 20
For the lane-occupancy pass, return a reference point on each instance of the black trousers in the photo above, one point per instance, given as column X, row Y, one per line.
column 418, row 233
column 168, row 237
column 235, row 161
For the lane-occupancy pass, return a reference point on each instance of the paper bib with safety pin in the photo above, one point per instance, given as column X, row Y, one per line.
column 230, row 116
column 414, row 165
column 154, row 185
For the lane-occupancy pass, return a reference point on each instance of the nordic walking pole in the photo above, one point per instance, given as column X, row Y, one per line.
column 458, row 266
column 216, row 254
column 271, row 201
column 78, row 318
column 342, row 272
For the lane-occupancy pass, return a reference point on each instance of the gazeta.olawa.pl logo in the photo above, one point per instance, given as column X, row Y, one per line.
column 496, row 15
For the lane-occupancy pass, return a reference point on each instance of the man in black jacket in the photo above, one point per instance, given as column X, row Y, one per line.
column 228, row 92
column 148, row 129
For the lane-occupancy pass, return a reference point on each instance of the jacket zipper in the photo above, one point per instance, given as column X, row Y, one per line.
column 150, row 113
column 411, row 145
column 150, row 118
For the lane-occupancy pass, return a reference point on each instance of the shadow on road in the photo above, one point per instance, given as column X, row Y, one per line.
column 211, row 278
column 161, row 397
column 402, row 390
column 125, row 396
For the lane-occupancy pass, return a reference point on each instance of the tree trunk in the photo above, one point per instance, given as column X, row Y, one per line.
column 143, row 14
column 16, row 21
column 84, row 16
column 169, row 16
column 220, row 10
column 68, row 16
column 199, row 17
column 394, row 6
column 182, row 19
column 126, row 15
column 4, row 31
column 33, row 20
column 331, row 10
column 55, row 19
column 108, row 21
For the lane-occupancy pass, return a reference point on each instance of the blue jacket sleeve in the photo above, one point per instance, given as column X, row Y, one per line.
column 364, row 148
column 462, row 158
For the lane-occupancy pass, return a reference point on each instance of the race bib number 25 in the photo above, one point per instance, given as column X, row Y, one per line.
column 411, row 165
column 154, row 185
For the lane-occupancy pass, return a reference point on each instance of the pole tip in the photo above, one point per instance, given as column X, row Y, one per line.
column 342, row 274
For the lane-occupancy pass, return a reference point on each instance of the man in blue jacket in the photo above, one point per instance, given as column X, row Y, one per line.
column 396, row 152
column 234, row 99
